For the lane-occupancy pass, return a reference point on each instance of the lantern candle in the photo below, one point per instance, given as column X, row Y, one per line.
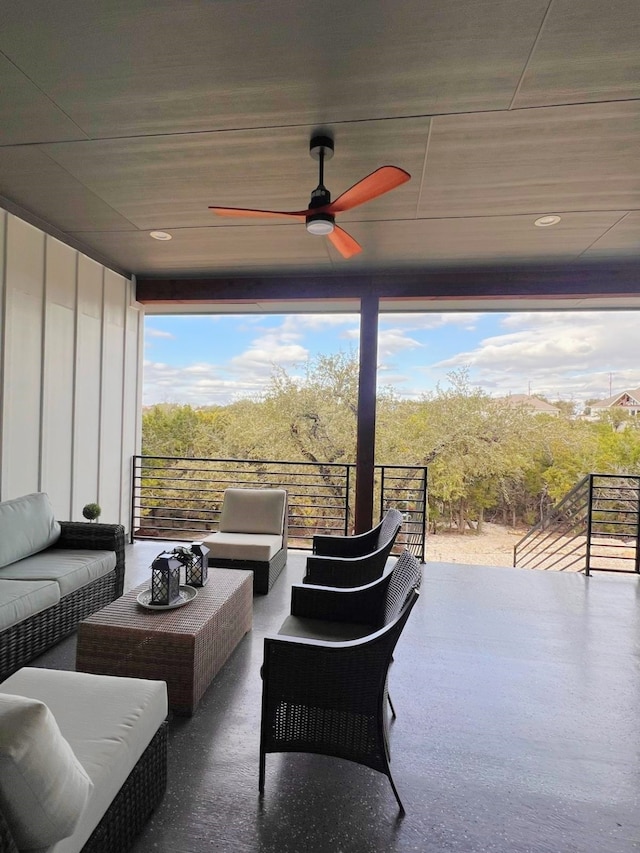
column 165, row 579
column 197, row 571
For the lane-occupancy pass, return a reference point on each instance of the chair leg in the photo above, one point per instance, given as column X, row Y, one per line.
column 393, row 710
column 262, row 770
column 397, row 795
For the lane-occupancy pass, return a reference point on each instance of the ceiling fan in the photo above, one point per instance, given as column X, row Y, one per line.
column 320, row 216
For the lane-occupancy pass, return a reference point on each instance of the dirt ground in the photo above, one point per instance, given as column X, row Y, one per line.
column 492, row 547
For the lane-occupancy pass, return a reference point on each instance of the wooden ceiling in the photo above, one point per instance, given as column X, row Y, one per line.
column 126, row 116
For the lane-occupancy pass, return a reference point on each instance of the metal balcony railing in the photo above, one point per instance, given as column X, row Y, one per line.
column 181, row 498
column 595, row 527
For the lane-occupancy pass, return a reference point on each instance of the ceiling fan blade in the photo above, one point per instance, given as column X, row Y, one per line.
column 344, row 242
column 245, row 211
column 381, row 181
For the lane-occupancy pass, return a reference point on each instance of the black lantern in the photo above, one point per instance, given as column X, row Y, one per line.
column 197, row 571
column 165, row 579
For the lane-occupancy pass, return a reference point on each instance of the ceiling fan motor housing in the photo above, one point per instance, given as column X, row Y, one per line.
column 321, row 222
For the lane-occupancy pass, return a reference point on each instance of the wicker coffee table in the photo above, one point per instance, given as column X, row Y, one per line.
column 186, row 647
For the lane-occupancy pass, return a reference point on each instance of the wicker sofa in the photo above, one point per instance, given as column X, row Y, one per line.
column 52, row 575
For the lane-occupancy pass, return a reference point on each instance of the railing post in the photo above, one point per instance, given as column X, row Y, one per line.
column 637, row 555
column 133, row 498
column 587, row 564
column 425, row 512
column 381, row 490
column 346, row 500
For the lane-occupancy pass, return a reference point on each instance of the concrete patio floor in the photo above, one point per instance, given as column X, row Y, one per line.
column 518, row 700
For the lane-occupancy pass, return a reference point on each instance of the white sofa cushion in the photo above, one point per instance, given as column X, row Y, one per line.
column 253, row 511
column 21, row 599
column 27, row 525
column 108, row 721
column 43, row 786
column 72, row 568
column 242, row 546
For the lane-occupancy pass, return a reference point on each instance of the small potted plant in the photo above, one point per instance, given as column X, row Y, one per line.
column 91, row 511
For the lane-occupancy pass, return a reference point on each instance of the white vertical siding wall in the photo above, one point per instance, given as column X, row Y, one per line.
column 70, row 356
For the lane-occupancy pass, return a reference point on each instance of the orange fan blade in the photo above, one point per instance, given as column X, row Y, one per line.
column 243, row 211
column 344, row 242
column 381, row 181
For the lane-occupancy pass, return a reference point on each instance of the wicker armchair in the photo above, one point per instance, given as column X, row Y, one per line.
column 349, row 561
column 325, row 675
column 337, row 613
column 330, row 698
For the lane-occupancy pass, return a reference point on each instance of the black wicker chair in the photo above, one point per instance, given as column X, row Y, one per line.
column 337, row 613
column 325, row 675
column 349, row 561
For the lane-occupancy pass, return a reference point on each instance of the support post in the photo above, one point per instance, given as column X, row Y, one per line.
column 366, row 432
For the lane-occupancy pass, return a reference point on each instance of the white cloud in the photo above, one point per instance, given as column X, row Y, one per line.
column 245, row 375
column 203, row 386
column 415, row 322
column 393, row 341
column 568, row 355
column 318, row 322
column 158, row 333
column 262, row 356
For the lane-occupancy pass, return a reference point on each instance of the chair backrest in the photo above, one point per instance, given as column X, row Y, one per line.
column 253, row 511
column 386, row 637
column 406, row 577
column 389, row 528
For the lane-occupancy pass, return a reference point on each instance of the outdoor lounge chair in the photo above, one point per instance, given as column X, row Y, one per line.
column 252, row 534
column 329, row 696
column 349, row 561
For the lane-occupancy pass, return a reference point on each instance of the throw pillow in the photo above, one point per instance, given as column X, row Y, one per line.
column 43, row 786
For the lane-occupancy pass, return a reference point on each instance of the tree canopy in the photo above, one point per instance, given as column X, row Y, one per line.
column 486, row 456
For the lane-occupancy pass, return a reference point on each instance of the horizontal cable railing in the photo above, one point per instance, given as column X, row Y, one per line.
column 181, row 498
column 595, row 527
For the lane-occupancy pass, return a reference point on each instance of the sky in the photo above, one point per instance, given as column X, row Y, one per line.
column 575, row 356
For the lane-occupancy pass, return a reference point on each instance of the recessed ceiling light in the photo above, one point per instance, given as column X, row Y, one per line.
column 544, row 221
column 160, row 235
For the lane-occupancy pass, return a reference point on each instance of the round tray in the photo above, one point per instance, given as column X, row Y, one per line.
column 187, row 594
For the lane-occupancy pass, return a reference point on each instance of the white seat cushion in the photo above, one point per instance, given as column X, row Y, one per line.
column 43, row 786
column 71, row 568
column 243, row 546
column 21, row 599
column 108, row 722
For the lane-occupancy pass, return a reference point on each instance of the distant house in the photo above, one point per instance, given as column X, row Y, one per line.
column 537, row 406
column 628, row 401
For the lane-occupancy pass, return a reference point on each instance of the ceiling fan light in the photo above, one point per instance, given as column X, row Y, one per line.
column 320, row 223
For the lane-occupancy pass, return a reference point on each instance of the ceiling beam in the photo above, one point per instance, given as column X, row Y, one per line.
column 584, row 279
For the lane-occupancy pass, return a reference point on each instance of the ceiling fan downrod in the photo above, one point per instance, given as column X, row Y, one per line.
column 321, row 223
